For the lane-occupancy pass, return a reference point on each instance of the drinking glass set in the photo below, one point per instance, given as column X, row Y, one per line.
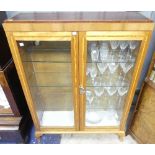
column 109, row 55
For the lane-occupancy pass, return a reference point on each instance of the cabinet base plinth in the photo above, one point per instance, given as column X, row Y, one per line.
column 121, row 134
column 38, row 136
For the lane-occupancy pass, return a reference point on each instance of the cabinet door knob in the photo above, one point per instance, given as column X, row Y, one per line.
column 82, row 90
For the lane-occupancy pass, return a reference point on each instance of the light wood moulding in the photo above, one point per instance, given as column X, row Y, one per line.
column 48, row 27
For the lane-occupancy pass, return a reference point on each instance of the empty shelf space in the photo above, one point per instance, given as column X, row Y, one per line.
column 58, row 118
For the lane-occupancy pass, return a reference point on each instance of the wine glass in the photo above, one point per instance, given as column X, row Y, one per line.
column 114, row 44
column 123, row 45
column 111, row 90
column 98, row 91
column 97, row 87
column 129, row 56
column 133, row 44
column 89, row 96
column 104, row 49
column 104, row 45
column 88, row 70
column 126, row 66
column 92, row 44
column 93, row 71
column 112, row 65
column 121, row 56
column 94, row 53
column 123, row 89
column 102, row 67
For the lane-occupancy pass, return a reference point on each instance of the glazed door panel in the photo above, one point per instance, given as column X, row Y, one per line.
column 50, row 67
column 109, row 70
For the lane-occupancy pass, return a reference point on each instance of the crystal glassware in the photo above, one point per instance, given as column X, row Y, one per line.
column 133, row 44
column 112, row 67
column 114, row 44
column 93, row 71
column 123, row 45
column 111, row 87
column 123, row 89
column 88, row 70
column 111, row 90
column 112, row 64
column 102, row 67
column 93, row 117
column 126, row 66
column 89, row 96
column 104, row 49
column 98, row 89
column 129, row 56
column 94, row 53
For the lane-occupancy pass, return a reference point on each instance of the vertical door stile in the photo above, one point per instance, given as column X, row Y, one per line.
column 75, row 72
column 82, row 77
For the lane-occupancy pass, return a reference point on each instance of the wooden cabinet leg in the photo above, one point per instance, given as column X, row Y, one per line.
column 38, row 137
column 121, row 136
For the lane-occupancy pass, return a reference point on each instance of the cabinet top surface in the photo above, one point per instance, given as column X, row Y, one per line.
column 79, row 17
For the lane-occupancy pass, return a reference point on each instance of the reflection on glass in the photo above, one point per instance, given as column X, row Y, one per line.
column 47, row 65
column 109, row 80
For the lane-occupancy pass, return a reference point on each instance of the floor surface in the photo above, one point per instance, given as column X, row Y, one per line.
column 45, row 139
column 95, row 139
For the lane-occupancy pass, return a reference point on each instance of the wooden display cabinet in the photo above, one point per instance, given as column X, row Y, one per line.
column 79, row 70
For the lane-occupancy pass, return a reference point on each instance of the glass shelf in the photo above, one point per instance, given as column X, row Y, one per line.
column 51, row 86
column 103, row 86
column 39, row 61
column 44, row 52
column 110, row 62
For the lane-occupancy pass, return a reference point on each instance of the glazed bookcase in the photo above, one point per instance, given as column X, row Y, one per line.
column 79, row 71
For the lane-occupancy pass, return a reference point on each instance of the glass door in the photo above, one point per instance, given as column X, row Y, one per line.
column 108, row 74
column 50, row 72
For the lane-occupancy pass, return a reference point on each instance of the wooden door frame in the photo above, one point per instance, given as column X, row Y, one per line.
column 144, row 36
column 46, row 36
